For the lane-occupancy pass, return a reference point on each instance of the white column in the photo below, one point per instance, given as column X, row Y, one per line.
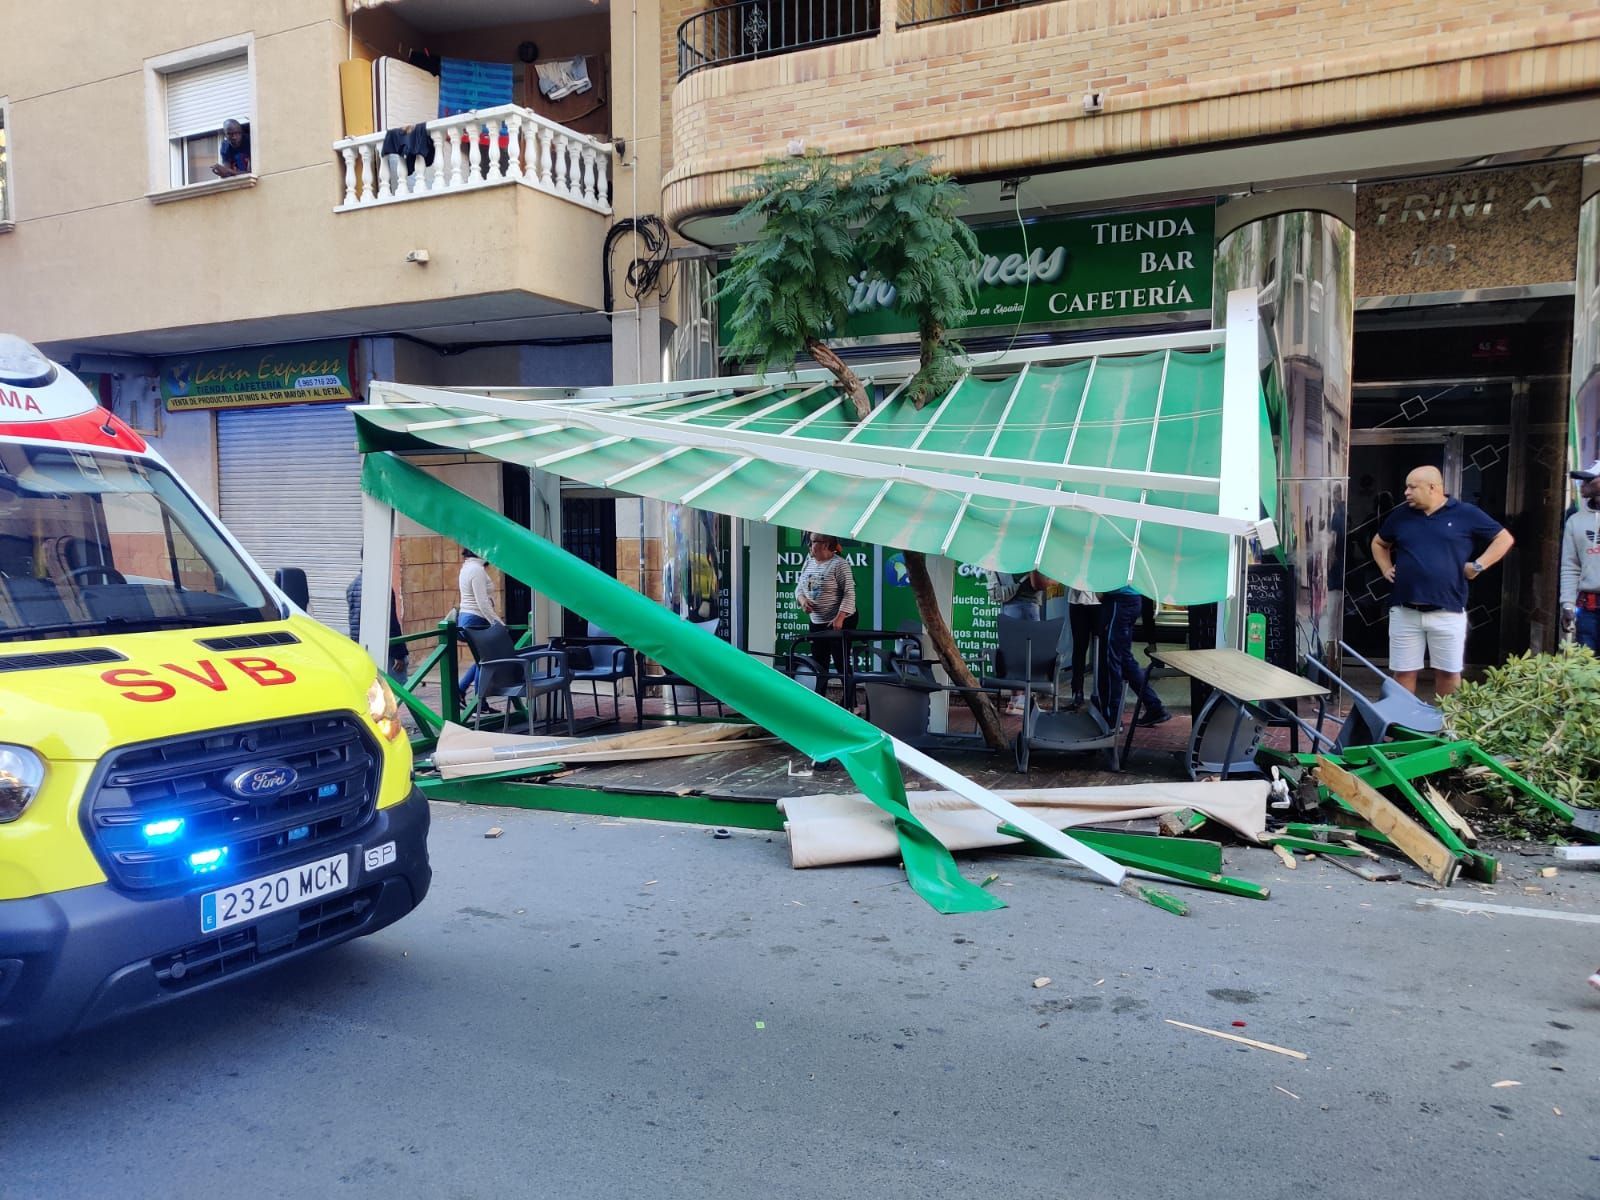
column 377, row 569
column 563, row 164
column 440, row 159
column 455, row 157
column 544, row 155
column 369, row 175
column 385, row 189
column 587, row 182
column 762, row 587
column 514, row 146
column 348, row 153
column 1239, row 493
column 602, row 187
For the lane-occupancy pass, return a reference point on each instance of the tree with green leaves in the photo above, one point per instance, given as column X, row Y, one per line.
column 826, row 224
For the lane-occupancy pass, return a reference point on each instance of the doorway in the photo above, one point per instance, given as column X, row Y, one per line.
column 588, row 531
column 1477, row 388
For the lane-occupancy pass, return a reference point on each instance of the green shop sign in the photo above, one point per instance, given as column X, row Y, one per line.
column 304, row 373
column 1059, row 270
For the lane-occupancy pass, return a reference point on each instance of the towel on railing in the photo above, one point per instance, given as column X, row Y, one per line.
column 563, row 77
column 409, row 141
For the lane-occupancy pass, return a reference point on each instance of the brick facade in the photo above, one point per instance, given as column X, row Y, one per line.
column 1003, row 90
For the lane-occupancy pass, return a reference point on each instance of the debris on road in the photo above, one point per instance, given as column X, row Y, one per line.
column 1042, row 981
column 494, row 832
column 1243, row 1041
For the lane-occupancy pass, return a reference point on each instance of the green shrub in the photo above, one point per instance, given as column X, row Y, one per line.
column 1541, row 713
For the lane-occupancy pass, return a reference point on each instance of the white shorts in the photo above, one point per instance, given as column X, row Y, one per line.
column 1442, row 634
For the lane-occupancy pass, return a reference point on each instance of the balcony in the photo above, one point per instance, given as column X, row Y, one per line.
column 922, row 12
column 490, row 147
column 751, row 29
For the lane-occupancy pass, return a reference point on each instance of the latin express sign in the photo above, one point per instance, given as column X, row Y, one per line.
column 309, row 372
column 1064, row 269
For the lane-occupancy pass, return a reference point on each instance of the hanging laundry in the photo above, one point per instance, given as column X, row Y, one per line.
column 410, row 142
column 563, row 77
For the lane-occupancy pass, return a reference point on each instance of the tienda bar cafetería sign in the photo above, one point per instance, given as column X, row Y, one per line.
column 303, row 373
column 1061, row 270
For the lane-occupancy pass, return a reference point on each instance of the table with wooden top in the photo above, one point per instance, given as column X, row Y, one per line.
column 1238, row 680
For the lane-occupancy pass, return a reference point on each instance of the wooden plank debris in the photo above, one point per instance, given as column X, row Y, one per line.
column 1243, row 1041
column 1370, row 874
column 1411, row 839
column 1452, row 818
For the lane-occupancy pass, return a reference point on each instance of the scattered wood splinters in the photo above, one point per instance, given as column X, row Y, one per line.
column 1507, row 1083
column 1243, row 1041
column 1286, row 1092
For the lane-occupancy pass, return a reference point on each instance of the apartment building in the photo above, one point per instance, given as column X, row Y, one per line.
column 231, row 216
column 1411, row 186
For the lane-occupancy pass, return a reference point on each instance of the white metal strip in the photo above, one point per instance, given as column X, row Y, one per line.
column 515, row 435
column 690, row 496
column 1072, row 440
column 794, row 491
column 882, row 371
column 1046, row 835
column 927, row 428
column 453, row 423
column 743, row 442
column 994, row 440
column 665, row 456
column 1149, row 460
column 563, row 455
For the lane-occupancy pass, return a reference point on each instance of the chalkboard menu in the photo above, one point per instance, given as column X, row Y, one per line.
column 1271, row 593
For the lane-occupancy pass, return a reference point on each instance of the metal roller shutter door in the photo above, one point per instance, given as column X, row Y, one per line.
column 290, row 483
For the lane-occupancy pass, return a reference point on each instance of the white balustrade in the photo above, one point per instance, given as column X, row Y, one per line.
column 500, row 145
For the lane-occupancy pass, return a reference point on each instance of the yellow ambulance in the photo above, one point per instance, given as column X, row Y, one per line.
column 197, row 780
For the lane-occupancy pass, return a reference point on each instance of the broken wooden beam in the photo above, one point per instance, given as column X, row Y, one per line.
column 1420, row 846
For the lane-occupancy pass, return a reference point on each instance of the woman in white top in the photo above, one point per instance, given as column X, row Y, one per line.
column 476, row 608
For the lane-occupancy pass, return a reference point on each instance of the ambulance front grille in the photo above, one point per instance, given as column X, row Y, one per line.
column 154, row 805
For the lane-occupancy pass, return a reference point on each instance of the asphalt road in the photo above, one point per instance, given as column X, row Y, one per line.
column 589, row 1008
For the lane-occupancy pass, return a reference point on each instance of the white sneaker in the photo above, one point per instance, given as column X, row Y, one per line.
column 1594, row 980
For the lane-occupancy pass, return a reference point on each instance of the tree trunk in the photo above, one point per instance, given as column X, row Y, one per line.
column 944, row 642
column 929, row 334
column 848, row 379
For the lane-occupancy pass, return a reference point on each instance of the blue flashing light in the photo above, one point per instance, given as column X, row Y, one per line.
column 202, row 861
column 326, row 790
column 299, row 833
column 159, row 833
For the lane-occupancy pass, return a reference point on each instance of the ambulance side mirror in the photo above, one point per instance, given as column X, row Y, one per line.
column 291, row 582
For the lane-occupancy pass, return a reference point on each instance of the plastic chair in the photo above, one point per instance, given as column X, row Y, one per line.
column 677, row 683
column 600, row 658
column 504, row 672
column 1369, row 721
column 1025, row 658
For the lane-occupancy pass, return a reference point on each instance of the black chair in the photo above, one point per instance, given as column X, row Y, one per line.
column 504, row 672
column 677, row 683
column 600, row 658
column 1025, row 658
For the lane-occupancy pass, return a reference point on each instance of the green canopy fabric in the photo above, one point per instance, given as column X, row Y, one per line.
column 804, row 719
column 1102, row 470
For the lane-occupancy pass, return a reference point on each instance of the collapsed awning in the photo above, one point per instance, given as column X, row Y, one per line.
column 1137, row 461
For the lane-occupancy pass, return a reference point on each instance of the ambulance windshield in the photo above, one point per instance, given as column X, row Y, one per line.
column 94, row 544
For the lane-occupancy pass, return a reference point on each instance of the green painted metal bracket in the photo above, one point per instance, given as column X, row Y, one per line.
column 1312, row 846
column 555, row 797
column 807, row 721
column 1526, row 786
column 429, row 782
column 1194, row 853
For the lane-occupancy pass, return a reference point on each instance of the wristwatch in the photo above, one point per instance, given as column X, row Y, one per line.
column 1477, row 567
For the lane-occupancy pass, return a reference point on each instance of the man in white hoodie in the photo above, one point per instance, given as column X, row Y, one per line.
column 1580, row 562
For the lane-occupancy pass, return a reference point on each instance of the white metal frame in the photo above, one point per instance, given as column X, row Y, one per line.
column 606, row 412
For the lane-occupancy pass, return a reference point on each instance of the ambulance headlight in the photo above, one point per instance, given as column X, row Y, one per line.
column 21, row 777
column 383, row 710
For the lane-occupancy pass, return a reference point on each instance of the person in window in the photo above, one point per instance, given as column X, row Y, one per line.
column 234, row 156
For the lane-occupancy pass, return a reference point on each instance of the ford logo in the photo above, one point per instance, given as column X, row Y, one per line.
column 264, row 779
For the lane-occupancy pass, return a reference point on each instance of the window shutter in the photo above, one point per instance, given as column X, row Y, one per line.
column 200, row 99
